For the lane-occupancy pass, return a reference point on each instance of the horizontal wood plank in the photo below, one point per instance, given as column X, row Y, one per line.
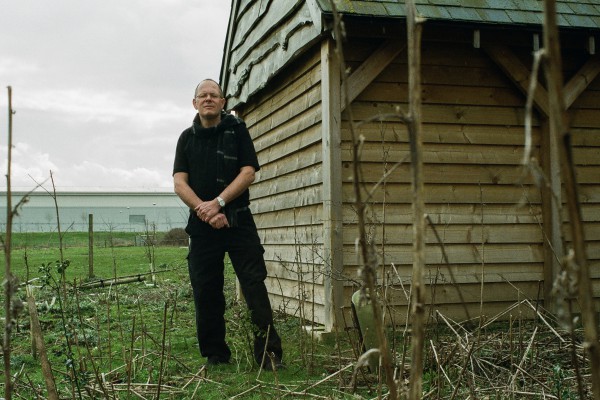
column 461, row 193
column 308, row 215
column 306, row 177
column 402, row 254
column 453, row 114
column 441, row 153
column 446, row 94
column 302, row 197
column 500, row 174
column 585, row 136
column 386, row 133
column 449, row 234
column 442, row 214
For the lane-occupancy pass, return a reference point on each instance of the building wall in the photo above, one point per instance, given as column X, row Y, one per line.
column 485, row 240
column 485, row 212
column 486, row 245
column 285, row 125
column 136, row 212
column 585, row 130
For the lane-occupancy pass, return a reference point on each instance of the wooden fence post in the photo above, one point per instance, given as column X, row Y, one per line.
column 91, row 245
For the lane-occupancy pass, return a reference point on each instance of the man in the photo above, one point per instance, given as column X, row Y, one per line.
column 215, row 162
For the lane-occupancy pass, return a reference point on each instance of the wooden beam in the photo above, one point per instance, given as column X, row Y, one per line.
column 551, row 213
column 333, row 254
column 477, row 39
column 371, row 68
column 581, row 80
column 518, row 73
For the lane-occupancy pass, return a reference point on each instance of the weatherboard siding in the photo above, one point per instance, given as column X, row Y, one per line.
column 285, row 126
column 487, row 232
column 473, row 145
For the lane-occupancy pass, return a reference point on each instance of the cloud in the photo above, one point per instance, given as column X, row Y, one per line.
column 102, row 90
column 25, row 68
column 88, row 106
column 102, row 176
column 32, row 167
column 29, row 166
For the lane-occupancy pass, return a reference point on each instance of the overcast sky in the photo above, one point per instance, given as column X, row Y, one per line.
column 103, row 88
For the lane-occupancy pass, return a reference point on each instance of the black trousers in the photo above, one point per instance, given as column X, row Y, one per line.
column 206, row 266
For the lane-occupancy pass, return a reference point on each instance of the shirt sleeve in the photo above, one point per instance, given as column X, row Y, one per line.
column 247, row 153
column 181, row 163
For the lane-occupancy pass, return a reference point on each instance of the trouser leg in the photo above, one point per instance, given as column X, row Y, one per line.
column 266, row 336
column 248, row 262
column 205, row 264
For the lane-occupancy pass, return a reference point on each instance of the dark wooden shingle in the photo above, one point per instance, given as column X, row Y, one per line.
column 571, row 13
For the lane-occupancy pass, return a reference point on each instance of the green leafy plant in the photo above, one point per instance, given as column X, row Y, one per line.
column 48, row 277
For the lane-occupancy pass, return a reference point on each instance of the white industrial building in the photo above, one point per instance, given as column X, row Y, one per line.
column 115, row 211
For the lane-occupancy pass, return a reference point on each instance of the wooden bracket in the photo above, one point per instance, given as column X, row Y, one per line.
column 371, row 68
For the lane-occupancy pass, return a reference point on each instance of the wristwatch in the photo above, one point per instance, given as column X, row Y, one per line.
column 221, row 201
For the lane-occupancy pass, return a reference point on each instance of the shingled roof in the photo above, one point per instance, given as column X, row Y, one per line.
column 571, row 13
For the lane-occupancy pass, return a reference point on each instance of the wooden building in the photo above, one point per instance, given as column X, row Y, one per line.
column 501, row 230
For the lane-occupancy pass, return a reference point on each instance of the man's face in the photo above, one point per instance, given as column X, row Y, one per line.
column 209, row 101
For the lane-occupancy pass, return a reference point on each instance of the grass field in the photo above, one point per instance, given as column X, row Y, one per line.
column 137, row 340
column 122, row 341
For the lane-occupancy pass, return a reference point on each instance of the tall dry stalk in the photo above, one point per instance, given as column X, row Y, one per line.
column 39, row 345
column 413, row 27
column 162, row 350
column 12, row 304
column 558, row 128
column 58, row 227
column 9, row 287
column 368, row 255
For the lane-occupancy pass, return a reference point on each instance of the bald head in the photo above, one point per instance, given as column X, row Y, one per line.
column 207, row 80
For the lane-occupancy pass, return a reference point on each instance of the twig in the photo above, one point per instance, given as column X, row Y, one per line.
column 328, row 378
column 253, row 388
column 440, row 364
column 537, row 58
column 162, row 350
column 130, row 358
column 111, row 282
column 197, row 375
column 520, row 366
column 36, row 331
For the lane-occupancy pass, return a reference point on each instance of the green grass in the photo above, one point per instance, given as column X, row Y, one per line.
column 73, row 239
column 118, row 332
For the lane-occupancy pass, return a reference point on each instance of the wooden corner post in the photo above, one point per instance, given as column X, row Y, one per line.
column 332, row 184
